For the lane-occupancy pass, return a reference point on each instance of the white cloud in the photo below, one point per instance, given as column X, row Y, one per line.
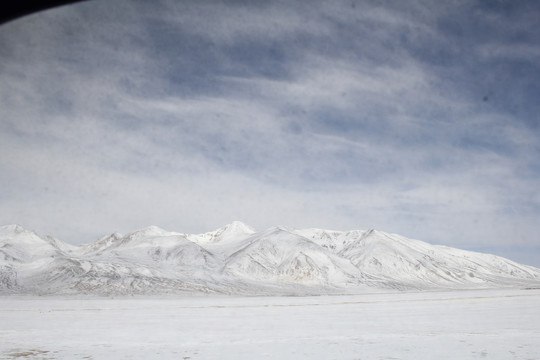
column 97, row 136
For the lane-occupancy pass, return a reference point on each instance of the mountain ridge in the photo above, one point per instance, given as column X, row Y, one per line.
column 237, row 259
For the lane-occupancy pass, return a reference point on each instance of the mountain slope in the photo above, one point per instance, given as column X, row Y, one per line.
column 154, row 245
column 22, row 246
column 236, row 259
column 416, row 264
column 283, row 256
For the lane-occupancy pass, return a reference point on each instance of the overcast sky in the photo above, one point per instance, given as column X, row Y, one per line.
column 419, row 118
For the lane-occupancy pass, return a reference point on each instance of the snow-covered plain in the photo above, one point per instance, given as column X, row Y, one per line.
column 471, row 324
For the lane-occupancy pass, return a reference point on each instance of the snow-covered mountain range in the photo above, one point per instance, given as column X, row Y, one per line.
column 236, row 259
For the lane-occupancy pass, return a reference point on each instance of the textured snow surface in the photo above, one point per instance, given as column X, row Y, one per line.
column 237, row 260
column 472, row 324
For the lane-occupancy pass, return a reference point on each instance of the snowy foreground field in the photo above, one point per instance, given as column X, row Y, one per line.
column 491, row 324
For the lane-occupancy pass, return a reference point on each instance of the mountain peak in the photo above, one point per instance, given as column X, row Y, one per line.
column 236, row 230
column 149, row 231
column 239, row 227
column 12, row 229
